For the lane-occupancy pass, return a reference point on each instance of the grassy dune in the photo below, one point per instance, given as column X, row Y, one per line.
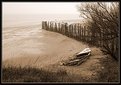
column 109, row 73
column 30, row 74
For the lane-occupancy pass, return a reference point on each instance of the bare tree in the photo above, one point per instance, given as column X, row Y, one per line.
column 103, row 19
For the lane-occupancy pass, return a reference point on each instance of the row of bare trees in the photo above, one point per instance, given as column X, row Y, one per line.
column 76, row 31
column 103, row 17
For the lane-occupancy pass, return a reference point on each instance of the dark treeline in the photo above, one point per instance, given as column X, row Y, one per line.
column 100, row 29
column 103, row 19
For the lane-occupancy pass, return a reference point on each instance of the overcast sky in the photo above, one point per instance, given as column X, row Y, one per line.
column 39, row 7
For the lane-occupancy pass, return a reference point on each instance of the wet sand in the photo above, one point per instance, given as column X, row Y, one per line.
column 33, row 46
column 47, row 47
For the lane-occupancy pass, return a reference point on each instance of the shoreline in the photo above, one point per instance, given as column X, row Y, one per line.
column 29, row 49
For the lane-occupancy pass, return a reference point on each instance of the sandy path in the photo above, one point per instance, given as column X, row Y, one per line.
column 32, row 46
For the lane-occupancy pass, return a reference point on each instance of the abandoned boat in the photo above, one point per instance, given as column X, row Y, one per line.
column 78, row 59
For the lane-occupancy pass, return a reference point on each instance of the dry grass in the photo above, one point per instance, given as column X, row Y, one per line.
column 30, row 74
column 110, row 71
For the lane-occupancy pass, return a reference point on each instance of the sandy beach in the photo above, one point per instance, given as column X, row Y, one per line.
column 33, row 46
column 35, row 42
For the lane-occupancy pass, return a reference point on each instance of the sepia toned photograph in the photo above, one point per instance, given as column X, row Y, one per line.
column 60, row 42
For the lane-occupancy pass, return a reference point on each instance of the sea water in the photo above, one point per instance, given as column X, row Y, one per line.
column 35, row 19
